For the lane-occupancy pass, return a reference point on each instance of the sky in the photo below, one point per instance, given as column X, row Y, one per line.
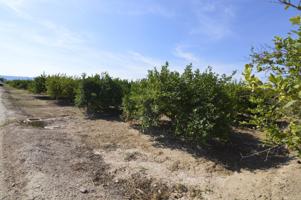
column 128, row 37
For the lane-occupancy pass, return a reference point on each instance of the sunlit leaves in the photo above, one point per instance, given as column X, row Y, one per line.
column 196, row 103
column 281, row 91
column 296, row 20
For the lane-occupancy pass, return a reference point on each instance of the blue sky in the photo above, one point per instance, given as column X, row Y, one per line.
column 128, row 37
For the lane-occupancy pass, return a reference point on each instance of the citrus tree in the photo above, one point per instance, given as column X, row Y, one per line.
column 278, row 94
column 61, row 86
column 100, row 93
column 197, row 104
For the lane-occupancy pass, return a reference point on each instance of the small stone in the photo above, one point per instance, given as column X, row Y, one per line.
column 299, row 161
column 13, row 185
column 83, row 190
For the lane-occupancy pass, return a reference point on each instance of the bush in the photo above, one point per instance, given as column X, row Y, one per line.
column 101, row 93
column 39, row 84
column 240, row 95
column 62, row 87
column 196, row 103
column 21, row 84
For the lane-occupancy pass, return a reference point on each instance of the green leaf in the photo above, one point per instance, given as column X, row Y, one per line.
column 296, row 20
column 273, row 79
column 287, row 7
column 297, row 86
column 289, row 104
column 247, row 71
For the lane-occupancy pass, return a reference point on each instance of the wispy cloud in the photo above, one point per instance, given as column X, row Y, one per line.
column 213, row 18
column 58, row 49
column 187, row 56
column 51, row 46
column 43, row 32
column 13, row 4
column 58, row 36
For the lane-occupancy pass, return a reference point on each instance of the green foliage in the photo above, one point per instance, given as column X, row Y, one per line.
column 280, row 102
column 240, row 95
column 39, row 84
column 196, row 103
column 100, row 93
column 62, row 87
column 21, row 84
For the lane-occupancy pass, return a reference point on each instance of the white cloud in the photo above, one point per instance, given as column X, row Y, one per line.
column 45, row 46
column 213, row 18
column 15, row 5
column 31, row 61
column 58, row 36
column 187, row 56
column 52, row 47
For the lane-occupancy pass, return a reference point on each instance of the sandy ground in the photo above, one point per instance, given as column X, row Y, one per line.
column 68, row 156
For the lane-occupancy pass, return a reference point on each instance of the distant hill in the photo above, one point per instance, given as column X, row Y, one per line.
column 16, row 77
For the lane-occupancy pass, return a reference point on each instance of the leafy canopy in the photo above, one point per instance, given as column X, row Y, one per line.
column 278, row 110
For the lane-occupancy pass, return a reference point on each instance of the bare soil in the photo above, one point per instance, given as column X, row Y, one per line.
column 50, row 150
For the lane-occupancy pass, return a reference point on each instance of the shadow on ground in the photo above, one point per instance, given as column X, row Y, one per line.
column 113, row 115
column 234, row 155
column 60, row 102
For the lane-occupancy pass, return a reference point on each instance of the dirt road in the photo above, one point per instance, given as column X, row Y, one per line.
column 2, row 108
column 40, row 163
column 2, row 121
column 67, row 156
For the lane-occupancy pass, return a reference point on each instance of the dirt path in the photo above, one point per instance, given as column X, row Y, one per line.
column 70, row 157
column 2, row 108
column 2, row 121
column 39, row 163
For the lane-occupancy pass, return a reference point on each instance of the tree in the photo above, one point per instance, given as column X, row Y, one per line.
column 196, row 104
column 61, row 86
column 39, row 84
column 278, row 110
column 100, row 93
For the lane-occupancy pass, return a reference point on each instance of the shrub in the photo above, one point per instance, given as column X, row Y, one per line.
column 196, row 103
column 39, row 84
column 240, row 95
column 62, row 87
column 100, row 93
column 21, row 84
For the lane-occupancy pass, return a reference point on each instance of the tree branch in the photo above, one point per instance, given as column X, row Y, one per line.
column 291, row 4
column 267, row 151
